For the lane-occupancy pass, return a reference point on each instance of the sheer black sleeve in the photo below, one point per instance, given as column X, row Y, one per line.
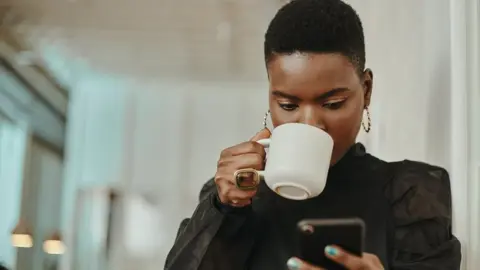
column 210, row 231
column 422, row 217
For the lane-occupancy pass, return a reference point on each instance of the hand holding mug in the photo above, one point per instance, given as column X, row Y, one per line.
column 297, row 168
column 247, row 155
column 298, row 161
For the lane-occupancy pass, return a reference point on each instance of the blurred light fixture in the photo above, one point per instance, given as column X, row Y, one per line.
column 21, row 236
column 54, row 244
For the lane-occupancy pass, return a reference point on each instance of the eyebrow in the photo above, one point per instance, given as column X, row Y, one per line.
column 323, row 96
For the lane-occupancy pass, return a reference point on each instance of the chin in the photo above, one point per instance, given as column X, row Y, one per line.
column 336, row 157
column 334, row 160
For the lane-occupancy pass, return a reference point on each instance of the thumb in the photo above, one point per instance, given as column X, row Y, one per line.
column 297, row 264
column 262, row 134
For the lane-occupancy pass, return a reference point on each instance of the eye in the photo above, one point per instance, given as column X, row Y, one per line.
column 334, row 105
column 288, row 106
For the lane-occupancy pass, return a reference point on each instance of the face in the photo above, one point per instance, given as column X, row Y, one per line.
column 321, row 90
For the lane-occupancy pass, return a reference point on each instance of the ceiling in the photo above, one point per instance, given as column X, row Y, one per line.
column 208, row 39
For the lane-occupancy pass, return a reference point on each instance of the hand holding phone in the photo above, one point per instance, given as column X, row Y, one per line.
column 315, row 235
column 343, row 258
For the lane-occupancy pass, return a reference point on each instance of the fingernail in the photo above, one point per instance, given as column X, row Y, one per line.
column 331, row 251
column 293, row 264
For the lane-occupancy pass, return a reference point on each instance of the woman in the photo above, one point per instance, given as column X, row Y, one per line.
column 315, row 58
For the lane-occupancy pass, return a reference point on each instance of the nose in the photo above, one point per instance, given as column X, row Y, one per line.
column 312, row 117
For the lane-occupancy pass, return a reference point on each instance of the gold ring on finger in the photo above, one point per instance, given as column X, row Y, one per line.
column 246, row 179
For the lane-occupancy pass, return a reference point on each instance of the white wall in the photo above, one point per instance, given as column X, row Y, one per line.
column 411, row 64
column 162, row 134
column 473, row 69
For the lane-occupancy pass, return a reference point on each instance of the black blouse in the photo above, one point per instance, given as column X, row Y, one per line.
column 406, row 207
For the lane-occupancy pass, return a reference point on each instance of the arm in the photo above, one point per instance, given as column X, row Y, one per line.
column 220, row 229
column 202, row 236
column 422, row 218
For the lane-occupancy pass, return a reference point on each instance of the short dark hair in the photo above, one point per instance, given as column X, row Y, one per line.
column 317, row 26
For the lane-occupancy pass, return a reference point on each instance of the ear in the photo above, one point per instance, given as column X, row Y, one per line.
column 367, row 85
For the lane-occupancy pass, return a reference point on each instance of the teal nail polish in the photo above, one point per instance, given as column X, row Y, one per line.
column 331, row 251
column 293, row 264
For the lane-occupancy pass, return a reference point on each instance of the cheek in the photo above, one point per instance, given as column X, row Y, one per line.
column 342, row 120
column 344, row 128
column 347, row 117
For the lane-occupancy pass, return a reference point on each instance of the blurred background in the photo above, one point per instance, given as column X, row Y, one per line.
column 113, row 113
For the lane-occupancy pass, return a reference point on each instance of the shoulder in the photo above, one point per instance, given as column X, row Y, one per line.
column 418, row 173
column 421, row 205
column 418, row 191
column 420, row 184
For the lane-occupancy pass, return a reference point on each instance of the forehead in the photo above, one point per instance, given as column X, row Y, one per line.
column 301, row 73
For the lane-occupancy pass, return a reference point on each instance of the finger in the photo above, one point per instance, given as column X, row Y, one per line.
column 240, row 203
column 240, row 195
column 262, row 134
column 246, row 161
column 373, row 259
column 344, row 258
column 234, row 200
column 244, row 148
column 228, row 192
column 297, row 264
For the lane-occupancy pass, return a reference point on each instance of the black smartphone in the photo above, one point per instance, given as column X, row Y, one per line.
column 315, row 234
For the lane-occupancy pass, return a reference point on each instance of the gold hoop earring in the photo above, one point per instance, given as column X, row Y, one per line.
column 265, row 119
column 368, row 126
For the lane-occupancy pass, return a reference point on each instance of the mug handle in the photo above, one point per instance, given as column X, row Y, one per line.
column 259, row 174
column 266, row 144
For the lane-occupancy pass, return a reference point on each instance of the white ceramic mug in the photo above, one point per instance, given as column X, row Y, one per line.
column 298, row 160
